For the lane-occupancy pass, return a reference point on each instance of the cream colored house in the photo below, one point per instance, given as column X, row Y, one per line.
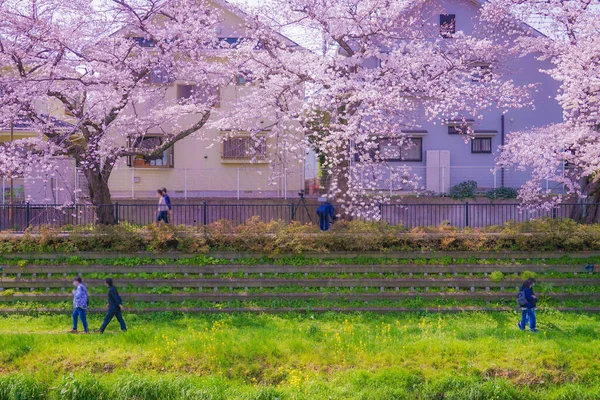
column 55, row 187
column 221, row 163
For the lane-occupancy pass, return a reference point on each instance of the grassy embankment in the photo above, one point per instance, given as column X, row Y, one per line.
column 298, row 356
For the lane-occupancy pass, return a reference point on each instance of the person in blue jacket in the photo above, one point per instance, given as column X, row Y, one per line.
column 168, row 201
column 326, row 214
column 115, row 306
column 528, row 310
column 80, row 304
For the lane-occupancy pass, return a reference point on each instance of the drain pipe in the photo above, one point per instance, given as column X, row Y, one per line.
column 502, row 143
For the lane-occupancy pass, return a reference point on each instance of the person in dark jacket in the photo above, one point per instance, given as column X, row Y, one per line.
column 168, row 201
column 115, row 306
column 528, row 310
column 326, row 214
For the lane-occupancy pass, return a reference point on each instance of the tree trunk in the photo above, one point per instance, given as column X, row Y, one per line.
column 588, row 211
column 100, row 197
column 340, row 184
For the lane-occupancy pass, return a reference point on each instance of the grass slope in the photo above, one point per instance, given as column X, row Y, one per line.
column 297, row 356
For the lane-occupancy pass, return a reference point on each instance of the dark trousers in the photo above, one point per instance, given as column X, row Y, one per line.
column 80, row 313
column 163, row 216
column 113, row 312
column 527, row 317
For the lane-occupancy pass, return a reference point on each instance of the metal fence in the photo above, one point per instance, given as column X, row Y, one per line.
column 19, row 217
column 230, row 181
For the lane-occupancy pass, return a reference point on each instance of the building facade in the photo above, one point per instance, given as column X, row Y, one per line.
column 439, row 154
column 212, row 163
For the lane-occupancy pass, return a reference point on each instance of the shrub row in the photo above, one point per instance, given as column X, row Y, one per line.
column 279, row 237
column 397, row 384
column 469, row 190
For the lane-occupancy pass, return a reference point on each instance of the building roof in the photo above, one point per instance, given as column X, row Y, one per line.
column 528, row 27
column 24, row 124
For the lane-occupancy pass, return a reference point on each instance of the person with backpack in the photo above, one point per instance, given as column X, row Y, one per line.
column 80, row 305
column 162, row 213
column 115, row 306
column 168, row 201
column 527, row 301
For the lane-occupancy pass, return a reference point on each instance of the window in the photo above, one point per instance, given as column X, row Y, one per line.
column 143, row 42
column 461, row 129
column 234, row 42
column 160, row 75
column 162, row 160
column 244, row 148
column 185, row 92
column 481, row 145
column 482, row 72
column 447, row 25
column 409, row 149
column 244, row 78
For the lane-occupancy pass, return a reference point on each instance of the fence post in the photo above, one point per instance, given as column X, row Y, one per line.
column 117, row 213
column 27, row 211
column 185, row 183
column 293, row 211
column 204, row 213
column 238, row 183
column 132, row 183
column 443, row 180
column 285, row 183
column 467, row 214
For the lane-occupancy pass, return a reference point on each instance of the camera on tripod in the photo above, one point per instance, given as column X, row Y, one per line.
column 302, row 203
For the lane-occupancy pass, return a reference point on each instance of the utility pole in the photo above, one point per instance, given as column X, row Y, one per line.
column 10, row 193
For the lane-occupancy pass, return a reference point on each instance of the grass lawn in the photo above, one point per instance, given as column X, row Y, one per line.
column 303, row 356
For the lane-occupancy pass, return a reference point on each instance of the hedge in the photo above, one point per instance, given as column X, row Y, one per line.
column 278, row 237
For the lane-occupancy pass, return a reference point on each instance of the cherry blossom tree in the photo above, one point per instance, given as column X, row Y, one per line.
column 567, row 152
column 387, row 71
column 108, row 64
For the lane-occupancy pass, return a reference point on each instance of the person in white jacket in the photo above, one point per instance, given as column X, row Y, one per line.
column 162, row 213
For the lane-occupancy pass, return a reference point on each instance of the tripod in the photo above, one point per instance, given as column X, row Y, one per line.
column 302, row 202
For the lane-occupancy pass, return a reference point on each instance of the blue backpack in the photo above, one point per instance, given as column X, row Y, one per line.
column 521, row 299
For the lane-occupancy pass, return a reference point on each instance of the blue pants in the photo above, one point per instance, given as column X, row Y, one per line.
column 527, row 316
column 113, row 312
column 323, row 222
column 80, row 313
column 163, row 216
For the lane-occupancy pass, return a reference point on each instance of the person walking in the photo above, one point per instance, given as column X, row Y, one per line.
column 80, row 305
column 115, row 306
column 168, row 201
column 528, row 301
column 162, row 213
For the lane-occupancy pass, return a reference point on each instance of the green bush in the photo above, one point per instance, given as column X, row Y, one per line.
column 463, row 190
column 84, row 387
column 528, row 274
column 496, row 276
column 502, row 193
column 19, row 387
column 279, row 237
